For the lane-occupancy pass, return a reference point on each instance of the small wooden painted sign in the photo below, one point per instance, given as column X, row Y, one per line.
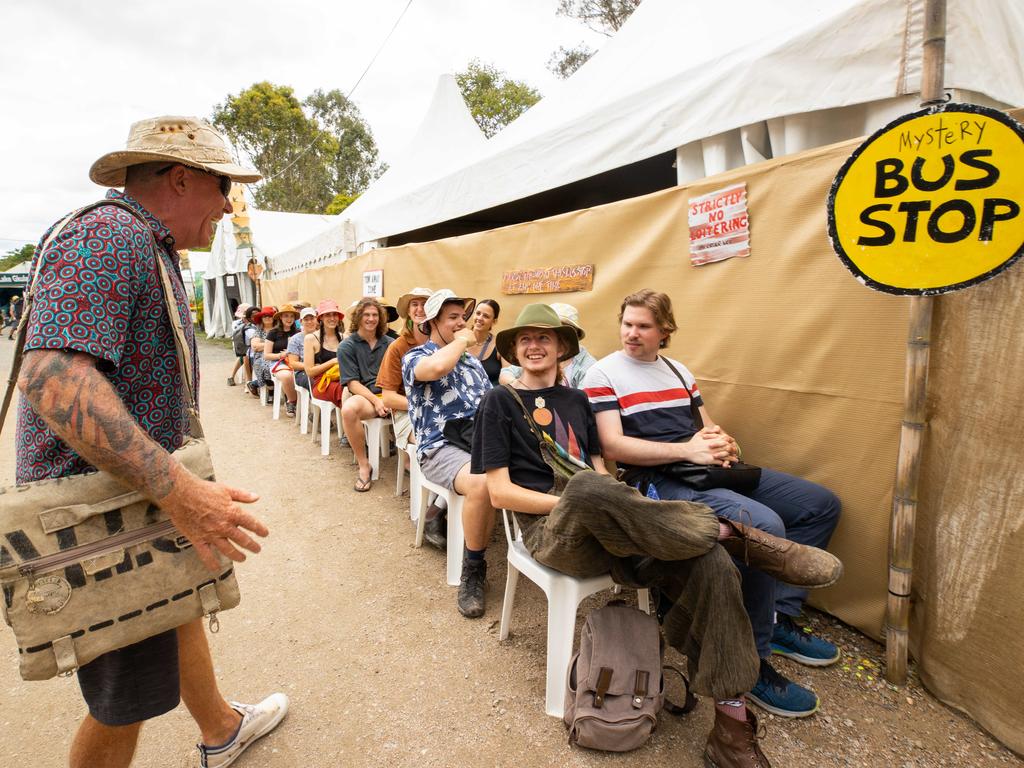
column 565, row 279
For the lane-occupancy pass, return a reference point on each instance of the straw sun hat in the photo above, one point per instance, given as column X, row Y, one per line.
column 185, row 140
column 540, row 317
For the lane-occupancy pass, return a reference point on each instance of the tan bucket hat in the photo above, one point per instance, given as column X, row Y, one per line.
column 186, row 140
column 403, row 301
column 537, row 316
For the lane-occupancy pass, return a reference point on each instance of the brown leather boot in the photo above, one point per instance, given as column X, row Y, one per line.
column 733, row 744
column 789, row 562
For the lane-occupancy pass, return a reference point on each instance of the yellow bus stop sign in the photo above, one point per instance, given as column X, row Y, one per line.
column 932, row 202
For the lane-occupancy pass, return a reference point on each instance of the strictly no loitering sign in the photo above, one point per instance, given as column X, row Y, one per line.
column 719, row 225
column 932, row 202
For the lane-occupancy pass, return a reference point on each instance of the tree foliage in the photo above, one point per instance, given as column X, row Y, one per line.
column 340, row 202
column 15, row 256
column 494, row 99
column 308, row 151
column 602, row 16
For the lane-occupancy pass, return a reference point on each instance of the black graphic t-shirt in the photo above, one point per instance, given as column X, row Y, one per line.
column 502, row 436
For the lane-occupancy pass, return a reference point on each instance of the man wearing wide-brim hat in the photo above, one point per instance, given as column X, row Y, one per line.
column 444, row 386
column 101, row 388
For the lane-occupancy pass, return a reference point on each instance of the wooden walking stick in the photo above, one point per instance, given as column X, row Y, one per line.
column 904, row 504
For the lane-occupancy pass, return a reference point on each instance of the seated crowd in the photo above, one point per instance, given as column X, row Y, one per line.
column 525, row 419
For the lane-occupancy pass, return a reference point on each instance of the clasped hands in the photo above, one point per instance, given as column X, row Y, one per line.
column 711, row 445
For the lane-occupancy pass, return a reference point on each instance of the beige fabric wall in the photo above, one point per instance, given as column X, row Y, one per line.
column 805, row 367
column 795, row 358
column 967, row 627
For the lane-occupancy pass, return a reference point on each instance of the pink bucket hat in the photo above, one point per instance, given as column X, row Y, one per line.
column 328, row 305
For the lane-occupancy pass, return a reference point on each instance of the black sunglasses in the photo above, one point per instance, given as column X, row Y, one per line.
column 225, row 181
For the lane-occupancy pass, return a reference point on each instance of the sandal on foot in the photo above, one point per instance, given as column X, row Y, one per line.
column 362, row 486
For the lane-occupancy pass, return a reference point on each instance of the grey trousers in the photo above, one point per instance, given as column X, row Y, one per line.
column 601, row 525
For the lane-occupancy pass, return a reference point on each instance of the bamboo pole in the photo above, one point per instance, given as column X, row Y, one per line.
column 904, row 503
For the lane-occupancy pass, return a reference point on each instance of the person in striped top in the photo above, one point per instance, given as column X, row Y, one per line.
column 642, row 403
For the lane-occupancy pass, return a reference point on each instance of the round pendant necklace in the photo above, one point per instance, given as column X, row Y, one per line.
column 541, row 415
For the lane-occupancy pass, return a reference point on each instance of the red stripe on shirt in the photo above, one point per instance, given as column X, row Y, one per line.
column 663, row 395
column 599, row 392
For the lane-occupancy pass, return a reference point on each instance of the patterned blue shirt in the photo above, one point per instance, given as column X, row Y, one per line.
column 455, row 395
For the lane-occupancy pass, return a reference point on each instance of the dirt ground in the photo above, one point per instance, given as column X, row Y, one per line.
column 359, row 629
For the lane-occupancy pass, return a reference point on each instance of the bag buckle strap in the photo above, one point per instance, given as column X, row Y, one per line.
column 604, row 682
column 211, row 604
column 640, row 687
column 64, row 654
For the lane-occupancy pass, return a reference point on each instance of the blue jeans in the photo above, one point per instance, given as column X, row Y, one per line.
column 782, row 505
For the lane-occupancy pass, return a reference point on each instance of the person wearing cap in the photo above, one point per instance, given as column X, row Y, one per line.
column 297, row 345
column 263, row 324
column 444, row 385
column 238, row 326
column 359, row 358
column 320, row 353
column 574, row 369
column 275, row 352
column 101, row 388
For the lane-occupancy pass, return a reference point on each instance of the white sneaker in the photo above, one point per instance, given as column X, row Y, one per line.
column 257, row 720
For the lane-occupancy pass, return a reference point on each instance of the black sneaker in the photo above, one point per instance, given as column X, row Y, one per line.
column 471, row 588
column 435, row 530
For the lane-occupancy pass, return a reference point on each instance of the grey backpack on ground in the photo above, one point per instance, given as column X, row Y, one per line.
column 615, row 685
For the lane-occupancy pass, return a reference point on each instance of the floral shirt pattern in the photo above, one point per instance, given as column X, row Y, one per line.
column 99, row 293
column 455, row 395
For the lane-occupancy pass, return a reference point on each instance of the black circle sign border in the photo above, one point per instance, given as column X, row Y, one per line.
column 833, row 234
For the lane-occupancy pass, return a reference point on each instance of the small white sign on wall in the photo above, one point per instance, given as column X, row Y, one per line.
column 373, row 283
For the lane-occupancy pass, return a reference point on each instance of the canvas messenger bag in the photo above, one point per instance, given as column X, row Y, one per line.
column 88, row 565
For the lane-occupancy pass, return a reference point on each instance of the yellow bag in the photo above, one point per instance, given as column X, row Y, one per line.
column 333, row 374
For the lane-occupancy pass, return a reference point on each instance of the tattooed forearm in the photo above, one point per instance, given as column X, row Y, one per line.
column 84, row 410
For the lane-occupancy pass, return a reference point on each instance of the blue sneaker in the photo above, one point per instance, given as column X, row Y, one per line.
column 795, row 643
column 780, row 696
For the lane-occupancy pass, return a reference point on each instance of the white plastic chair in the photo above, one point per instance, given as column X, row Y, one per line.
column 403, row 460
column 265, row 395
column 322, row 416
column 277, row 399
column 419, row 490
column 378, row 443
column 564, row 594
column 304, row 398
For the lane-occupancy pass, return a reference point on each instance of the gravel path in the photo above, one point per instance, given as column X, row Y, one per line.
column 359, row 629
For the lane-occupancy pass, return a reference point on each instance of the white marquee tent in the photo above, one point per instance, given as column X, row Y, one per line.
column 446, row 135
column 226, row 278
column 720, row 85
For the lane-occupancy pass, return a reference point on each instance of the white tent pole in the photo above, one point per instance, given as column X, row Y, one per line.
column 904, row 504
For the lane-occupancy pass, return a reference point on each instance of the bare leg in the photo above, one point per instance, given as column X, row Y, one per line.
column 287, row 379
column 111, row 746
column 353, row 411
column 216, row 719
column 477, row 512
column 247, row 363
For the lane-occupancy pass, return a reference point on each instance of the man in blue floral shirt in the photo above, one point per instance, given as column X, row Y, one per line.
column 444, row 384
column 101, row 388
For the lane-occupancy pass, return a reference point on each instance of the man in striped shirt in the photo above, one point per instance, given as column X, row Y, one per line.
column 642, row 403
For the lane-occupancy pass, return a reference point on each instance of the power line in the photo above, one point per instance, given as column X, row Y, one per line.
column 348, row 96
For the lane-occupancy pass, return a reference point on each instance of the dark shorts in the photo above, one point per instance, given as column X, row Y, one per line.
column 134, row 683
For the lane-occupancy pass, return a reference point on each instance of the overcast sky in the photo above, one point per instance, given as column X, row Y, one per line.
column 74, row 75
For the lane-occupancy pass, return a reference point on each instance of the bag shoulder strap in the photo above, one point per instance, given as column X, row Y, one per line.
column 180, row 345
column 698, row 420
